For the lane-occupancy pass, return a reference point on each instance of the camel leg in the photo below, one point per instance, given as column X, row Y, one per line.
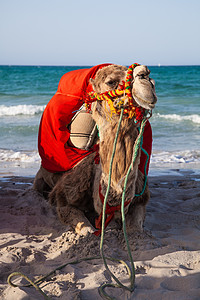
column 135, row 218
column 136, row 214
column 76, row 218
column 40, row 185
column 71, row 196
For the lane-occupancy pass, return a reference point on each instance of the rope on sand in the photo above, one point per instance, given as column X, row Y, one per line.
column 131, row 271
column 36, row 283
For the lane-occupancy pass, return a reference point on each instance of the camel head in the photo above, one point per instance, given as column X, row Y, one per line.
column 142, row 87
column 108, row 78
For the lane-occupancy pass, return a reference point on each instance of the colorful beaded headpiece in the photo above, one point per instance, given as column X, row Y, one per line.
column 124, row 90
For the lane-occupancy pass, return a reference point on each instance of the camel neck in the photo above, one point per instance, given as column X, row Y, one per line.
column 124, row 150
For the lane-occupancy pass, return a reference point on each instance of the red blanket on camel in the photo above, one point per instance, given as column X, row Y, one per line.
column 55, row 154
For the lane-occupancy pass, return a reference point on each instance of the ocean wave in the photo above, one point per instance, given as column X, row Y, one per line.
column 174, row 117
column 15, row 110
column 18, row 156
column 162, row 157
column 181, row 157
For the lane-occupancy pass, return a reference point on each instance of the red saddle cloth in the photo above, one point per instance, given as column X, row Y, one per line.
column 56, row 155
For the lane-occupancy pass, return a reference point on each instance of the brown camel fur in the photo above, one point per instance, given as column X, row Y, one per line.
column 77, row 191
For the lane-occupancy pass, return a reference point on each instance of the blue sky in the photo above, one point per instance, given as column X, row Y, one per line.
column 86, row 32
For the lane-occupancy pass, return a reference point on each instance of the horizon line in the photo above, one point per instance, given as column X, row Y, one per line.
column 71, row 65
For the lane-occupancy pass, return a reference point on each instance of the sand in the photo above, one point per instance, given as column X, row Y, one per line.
column 166, row 255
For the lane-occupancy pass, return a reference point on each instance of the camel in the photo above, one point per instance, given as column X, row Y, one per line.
column 79, row 191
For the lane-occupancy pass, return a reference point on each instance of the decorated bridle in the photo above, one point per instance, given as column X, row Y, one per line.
column 125, row 91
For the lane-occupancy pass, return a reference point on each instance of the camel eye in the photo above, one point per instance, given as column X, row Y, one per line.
column 112, row 83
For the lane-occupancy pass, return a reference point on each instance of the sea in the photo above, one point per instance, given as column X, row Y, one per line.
column 26, row 90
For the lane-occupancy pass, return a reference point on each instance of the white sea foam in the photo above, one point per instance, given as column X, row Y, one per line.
column 21, row 110
column 181, row 157
column 163, row 157
column 18, row 156
column 174, row 117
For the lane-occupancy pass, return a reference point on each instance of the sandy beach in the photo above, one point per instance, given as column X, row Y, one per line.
column 166, row 255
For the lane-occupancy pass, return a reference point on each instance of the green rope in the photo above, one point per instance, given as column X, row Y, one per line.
column 145, row 172
column 43, row 278
column 36, row 283
column 136, row 149
column 105, row 202
column 119, row 284
column 131, row 272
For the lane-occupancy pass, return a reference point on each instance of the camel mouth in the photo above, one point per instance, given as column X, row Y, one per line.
column 145, row 103
column 137, row 102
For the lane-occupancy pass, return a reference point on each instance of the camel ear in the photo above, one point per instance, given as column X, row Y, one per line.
column 92, row 81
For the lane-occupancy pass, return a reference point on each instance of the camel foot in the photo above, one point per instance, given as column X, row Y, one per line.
column 76, row 219
column 83, row 229
column 135, row 220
